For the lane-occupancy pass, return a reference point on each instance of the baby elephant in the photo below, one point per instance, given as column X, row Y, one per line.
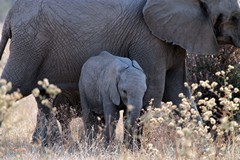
column 107, row 85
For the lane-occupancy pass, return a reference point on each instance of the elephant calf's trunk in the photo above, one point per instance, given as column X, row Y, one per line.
column 130, row 124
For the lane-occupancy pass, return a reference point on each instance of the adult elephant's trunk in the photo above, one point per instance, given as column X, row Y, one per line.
column 130, row 124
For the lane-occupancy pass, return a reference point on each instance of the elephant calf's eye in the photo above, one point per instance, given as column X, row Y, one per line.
column 124, row 91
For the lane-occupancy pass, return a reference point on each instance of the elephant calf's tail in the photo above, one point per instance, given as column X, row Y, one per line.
column 6, row 34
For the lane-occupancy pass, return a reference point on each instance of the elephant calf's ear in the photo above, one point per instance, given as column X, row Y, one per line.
column 136, row 65
column 115, row 97
column 109, row 83
column 181, row 22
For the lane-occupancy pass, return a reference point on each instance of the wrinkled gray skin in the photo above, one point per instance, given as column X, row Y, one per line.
column 53, row 38
column 107, row 85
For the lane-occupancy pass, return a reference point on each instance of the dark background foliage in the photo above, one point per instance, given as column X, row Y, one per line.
column 203, row 67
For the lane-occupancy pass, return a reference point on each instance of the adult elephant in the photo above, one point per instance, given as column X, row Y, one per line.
column 53, row 38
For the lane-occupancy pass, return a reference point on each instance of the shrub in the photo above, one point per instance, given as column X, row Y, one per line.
column 190, row 138
column 205, row 67
column 200, row 67
column 7, row 100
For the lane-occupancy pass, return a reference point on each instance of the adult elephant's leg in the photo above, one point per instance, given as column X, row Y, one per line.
column 175, row 79
column 175, row 85
column 63, row 115
column 67, row 105
column 40, row 134
column 46, row 131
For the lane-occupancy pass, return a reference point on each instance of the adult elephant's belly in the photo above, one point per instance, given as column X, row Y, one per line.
column 62, row 69
column 65, row 81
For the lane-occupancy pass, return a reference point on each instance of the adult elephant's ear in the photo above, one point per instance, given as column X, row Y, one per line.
column 182, row 22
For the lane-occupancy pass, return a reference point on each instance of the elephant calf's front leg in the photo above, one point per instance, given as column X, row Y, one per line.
column 111, row 116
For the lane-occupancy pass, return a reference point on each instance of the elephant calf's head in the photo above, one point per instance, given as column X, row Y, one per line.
column 132, row 86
